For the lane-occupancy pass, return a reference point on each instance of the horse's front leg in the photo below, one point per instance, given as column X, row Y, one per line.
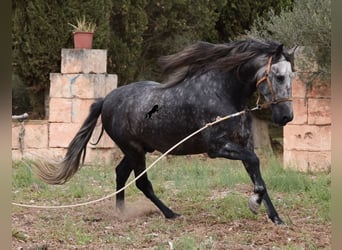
column 251, row 162
column 261, row 193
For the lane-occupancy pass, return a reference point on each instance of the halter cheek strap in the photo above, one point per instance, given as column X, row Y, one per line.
column 269, row 83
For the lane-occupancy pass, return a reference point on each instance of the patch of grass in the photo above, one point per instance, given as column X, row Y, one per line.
column 230, row 208
column 195, row 174
column 300, row 189
column 19, row 235
column 89, row 182
column 186, row 242
column 22, row 175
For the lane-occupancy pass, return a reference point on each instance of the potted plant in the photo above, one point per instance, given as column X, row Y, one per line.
column 83, row 33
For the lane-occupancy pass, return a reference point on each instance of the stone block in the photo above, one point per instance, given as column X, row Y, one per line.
column 319, row 161
column 316, row 161
column 80, row 109
column 319, row 89
column 295, row 159
column 319, row 111
column 298, row 88
column 60, row 109
column 35, row 134
column 307, row 137
column 83, row 61
column 61, row 85
column 93, row 85
column 300, row 111
column 88, row 86
column 61, row 134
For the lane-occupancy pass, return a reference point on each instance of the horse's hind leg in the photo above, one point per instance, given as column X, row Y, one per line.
column 146, row 187
column 123, row 170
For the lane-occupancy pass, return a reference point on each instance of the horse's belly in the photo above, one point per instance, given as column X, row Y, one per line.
column 191, row 146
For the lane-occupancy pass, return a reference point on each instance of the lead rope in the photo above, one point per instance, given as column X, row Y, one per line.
column 217, row 120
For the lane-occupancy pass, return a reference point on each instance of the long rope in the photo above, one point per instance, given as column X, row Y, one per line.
column 218, row 119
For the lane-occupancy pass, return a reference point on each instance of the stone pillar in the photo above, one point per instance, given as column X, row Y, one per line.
column 307, row 139
column 82, row 80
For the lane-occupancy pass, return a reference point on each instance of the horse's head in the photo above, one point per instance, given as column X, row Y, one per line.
column 275, row 84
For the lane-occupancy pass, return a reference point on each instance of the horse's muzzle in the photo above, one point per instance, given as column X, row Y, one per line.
column 282, row 113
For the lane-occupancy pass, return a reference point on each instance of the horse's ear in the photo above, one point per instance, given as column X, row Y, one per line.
column 290, row 54
column 292, row 50
column 279, row 50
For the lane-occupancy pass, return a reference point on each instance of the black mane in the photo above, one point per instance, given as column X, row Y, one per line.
column 204, row 56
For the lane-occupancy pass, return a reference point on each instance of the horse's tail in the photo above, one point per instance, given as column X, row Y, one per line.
column 59, row 173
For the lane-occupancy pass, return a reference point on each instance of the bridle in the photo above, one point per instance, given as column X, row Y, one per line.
column 266, row 77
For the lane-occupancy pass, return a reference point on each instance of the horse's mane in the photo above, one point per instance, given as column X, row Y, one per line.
column 204, row 56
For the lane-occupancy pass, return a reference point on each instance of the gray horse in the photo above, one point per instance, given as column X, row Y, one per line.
column 202, row 82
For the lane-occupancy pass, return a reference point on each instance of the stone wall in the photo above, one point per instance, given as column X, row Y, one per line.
column 83, row 78
column 307, row 139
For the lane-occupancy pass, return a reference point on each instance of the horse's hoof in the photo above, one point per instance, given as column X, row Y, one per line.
column 253, row 203
column 276, row 220
column 173, row 216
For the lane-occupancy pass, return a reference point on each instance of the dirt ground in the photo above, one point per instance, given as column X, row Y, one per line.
column 36, row 229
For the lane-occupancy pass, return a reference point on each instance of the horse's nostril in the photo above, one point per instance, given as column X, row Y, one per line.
column 286, row 119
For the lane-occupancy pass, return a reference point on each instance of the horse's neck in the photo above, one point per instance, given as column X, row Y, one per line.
column 239, row 91
column 228, row 86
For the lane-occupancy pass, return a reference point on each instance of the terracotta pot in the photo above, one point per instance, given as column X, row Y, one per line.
column 83, row 40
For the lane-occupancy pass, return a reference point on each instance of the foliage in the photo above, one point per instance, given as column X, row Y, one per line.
column 83, row 26
column 20, row 99
column 308, row 24
column 237, row 16
column 128, row 22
